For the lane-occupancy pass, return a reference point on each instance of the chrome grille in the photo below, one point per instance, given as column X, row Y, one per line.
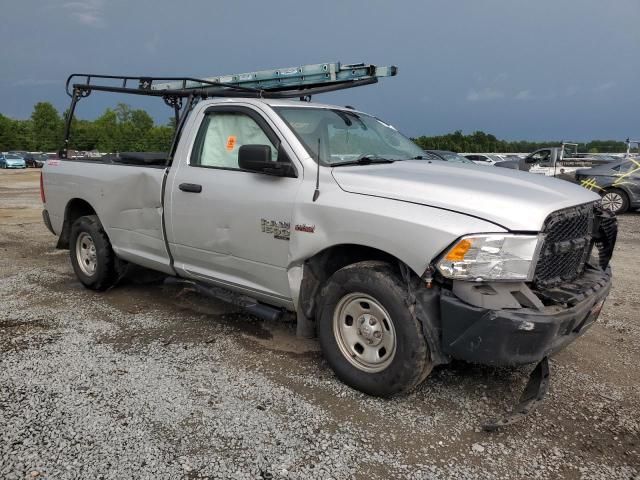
column 567, row 243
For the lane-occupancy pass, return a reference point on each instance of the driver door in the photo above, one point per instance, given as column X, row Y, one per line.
column 229, row 226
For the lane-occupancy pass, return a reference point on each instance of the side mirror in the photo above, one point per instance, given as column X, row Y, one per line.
column 257, row 159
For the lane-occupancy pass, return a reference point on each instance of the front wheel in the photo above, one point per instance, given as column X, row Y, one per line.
column 615, row 200
column 92, row 257
column 368, row 333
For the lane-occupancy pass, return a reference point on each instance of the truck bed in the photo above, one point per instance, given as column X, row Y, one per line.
column 126, row 194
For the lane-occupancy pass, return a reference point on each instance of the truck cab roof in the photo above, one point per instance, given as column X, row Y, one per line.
column 277, row 102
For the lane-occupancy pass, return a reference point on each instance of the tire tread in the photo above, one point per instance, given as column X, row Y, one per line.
column 398, row 378
column 106, row 274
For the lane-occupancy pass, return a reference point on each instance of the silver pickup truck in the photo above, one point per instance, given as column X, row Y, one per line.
column 396, row 262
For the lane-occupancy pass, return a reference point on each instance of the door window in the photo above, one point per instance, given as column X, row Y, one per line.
column 222, row 134
column 542, row 158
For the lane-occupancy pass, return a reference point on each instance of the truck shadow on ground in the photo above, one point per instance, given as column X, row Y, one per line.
column 191, row 320
column 449, row 406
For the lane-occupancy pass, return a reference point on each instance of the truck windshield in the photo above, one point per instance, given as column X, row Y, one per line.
column 347, row 136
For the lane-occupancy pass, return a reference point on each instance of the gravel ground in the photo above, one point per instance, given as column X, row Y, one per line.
column 151, row 380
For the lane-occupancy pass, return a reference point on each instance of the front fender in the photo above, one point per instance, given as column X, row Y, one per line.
column 413, row 233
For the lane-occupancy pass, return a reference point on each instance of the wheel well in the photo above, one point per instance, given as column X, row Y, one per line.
column 322, row 265
column 617, row 188
column 75, row 209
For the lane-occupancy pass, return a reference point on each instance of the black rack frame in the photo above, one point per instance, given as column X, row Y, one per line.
column 175, row 98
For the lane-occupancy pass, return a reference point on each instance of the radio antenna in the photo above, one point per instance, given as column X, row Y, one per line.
column 316, row 194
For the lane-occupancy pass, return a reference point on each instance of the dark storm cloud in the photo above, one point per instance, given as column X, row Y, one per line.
column 543, row 69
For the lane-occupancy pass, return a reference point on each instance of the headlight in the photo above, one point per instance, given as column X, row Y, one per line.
column 491, row 257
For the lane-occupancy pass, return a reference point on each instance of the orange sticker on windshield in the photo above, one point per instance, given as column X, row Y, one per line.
column 231, row 142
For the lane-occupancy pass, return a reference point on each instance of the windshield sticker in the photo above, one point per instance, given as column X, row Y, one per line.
column 231, row 142
column 279, row 229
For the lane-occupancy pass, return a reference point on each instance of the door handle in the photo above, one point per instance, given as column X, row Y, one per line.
column 190, row 187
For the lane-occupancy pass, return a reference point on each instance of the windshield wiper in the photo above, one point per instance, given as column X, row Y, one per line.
column 364, row 160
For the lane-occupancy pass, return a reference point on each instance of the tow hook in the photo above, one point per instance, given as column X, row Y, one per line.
column 531, row 398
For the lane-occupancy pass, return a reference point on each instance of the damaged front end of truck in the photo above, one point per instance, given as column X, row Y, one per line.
column 518, row 323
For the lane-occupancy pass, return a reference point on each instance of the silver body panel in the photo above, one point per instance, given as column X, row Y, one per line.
column 125, row 198
column 516, row 200
column 410, row 209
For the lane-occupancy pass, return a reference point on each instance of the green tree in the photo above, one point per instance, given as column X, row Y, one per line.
column 46, row 127
column 107, row 137
column 5, row 133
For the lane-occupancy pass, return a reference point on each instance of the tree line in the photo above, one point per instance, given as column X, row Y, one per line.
column 124, row 129
column 480, row 142
column 119, row 129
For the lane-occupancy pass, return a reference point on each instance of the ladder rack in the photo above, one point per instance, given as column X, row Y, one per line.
column 290, row 82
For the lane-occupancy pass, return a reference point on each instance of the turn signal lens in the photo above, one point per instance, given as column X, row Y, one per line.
column 460, row 249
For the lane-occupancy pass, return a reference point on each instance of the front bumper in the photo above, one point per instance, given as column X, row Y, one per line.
column 16, row 165
column 519, row 336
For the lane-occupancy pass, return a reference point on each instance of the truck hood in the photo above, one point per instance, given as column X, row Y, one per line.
column 516, row 200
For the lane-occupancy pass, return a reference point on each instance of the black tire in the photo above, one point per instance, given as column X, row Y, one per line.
column 104, row 274
column 618, row 194
column 411, row 361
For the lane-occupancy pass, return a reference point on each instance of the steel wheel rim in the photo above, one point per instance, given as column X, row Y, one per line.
column 86, row 254
column 364, row 332
column 612, row 201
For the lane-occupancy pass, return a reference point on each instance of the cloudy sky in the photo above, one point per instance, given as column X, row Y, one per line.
column 543, row 69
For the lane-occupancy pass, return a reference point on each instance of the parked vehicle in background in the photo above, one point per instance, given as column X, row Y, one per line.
column 35, row 160
column 52, row 156
column 559, row 162
column 631, row 145
column 448, row 156
column 485, row 159
column 11, row 160
column 512, row 156
column 618, row 183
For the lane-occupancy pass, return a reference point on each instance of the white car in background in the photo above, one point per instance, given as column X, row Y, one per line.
column 484, row 158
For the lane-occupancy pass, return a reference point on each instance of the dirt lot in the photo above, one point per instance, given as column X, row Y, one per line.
column 153, row 381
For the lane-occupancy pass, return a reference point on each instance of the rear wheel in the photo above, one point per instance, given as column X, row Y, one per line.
column 368, row 333
column 92, row 257
column 615, row 200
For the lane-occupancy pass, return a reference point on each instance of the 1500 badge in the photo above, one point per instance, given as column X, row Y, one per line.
column 280, row 230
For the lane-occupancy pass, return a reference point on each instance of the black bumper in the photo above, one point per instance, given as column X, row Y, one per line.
column 518, row 336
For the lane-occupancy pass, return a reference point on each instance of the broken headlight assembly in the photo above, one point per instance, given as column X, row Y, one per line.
column 492, row 257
